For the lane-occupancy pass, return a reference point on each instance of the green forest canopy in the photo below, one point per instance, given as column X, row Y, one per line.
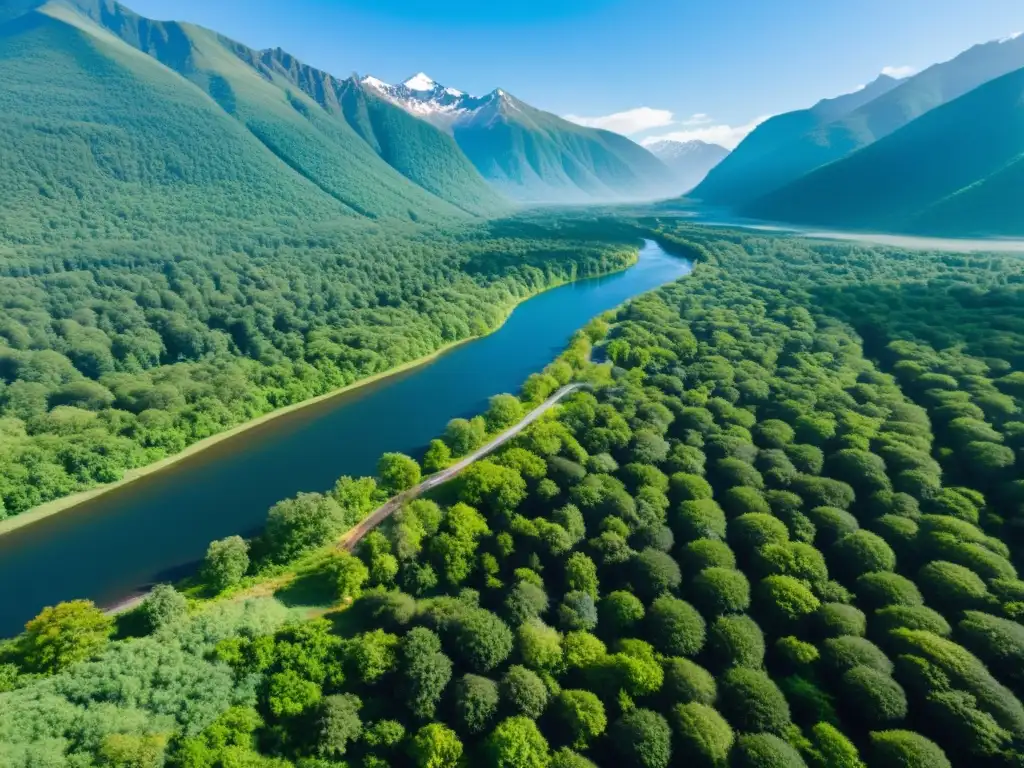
column 780, row 532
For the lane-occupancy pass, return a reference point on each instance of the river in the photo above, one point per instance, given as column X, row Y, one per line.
column 155, row 528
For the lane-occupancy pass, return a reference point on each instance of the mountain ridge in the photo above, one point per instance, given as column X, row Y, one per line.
column 949, row 163
column 823, row 142
column 529, row 154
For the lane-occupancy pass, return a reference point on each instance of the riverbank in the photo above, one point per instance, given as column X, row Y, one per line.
column 67, row 503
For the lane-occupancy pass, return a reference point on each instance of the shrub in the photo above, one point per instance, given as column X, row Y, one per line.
column 910, row 617
column 749, row 532
column 905, row 749
column 874, row 696
column 952, row 587
column 226, row 562
column 687, row 681
column 655, row 573
column 163, row 607
column 642, row 739
column 701, row 519
column 577, row 612
column 863, row 552
column 999, row 643
column 702, row 735
column 526, row 601
column 706, row 553
column 782, row 601
column 566, row 758
column 809, row 702
column 689, row 487
column 832, row 524
column 720, row 590
column 581, row 714
column 736, row 641
column 831, row 749
column 764, row 750
column 880, row 590
column 843, row 653
column 476, row 703
column 619, row 612
column 836, row 619
column 966, row 672
column 523, row 692
column 517, row 743
column 792, row 558
column 742, row 500
column 752, row 702
column 676, row 626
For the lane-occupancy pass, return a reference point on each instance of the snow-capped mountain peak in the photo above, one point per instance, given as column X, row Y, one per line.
column 422, row 96
column 420, row 82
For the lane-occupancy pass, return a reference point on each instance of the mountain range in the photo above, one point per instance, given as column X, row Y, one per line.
column 959, row 169
column 790, row 145
column 118, row 126
column 690, row 161
column 531, row 155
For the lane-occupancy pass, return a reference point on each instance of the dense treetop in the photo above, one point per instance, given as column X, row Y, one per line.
column 779, row 531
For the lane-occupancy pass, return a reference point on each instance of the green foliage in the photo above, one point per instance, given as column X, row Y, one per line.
column 720, row 590
column 517, row 743
column 831, row 749
column 163, row 607
column 676, row 627
column 702, row 734
column 764, row 750
column 686, row 681
column 736, row 641
column 655, row 573
column 338, row 724
column 783, row 601
column 397, row 472
column 881, row 590
column 581, row 714
column 752, row 702
column 476, row 702
column 297, row 525
column 843, row 653
column 619, row 612
column 226, row 562
column 836, row 619
column 905, row 749
column 523, row 692
column 436, row 746
column 642, row 739
column 65, row 634
column 425, row 671
column 877, row 698
column 863, row 552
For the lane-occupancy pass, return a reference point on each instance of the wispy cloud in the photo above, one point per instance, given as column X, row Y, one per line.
column 629, row 122
column 698, row 119
column 726, row 135
column 901, row 71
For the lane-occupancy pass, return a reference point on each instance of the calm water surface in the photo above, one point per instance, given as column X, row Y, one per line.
column 154, row 528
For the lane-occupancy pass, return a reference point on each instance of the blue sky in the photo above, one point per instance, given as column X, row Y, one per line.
column 692, row 69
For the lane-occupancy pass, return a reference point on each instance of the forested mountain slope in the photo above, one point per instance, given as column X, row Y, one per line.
column 136, row 134
column 529, row 154
column 955, row 170
column 756, row 165
column 834, row 139
column 535, row 156
column 780, row 532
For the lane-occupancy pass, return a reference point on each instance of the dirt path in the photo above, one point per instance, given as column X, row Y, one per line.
column 355, row 535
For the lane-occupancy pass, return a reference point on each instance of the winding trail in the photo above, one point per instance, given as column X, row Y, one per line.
column 392, row 505
column 356, row 534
